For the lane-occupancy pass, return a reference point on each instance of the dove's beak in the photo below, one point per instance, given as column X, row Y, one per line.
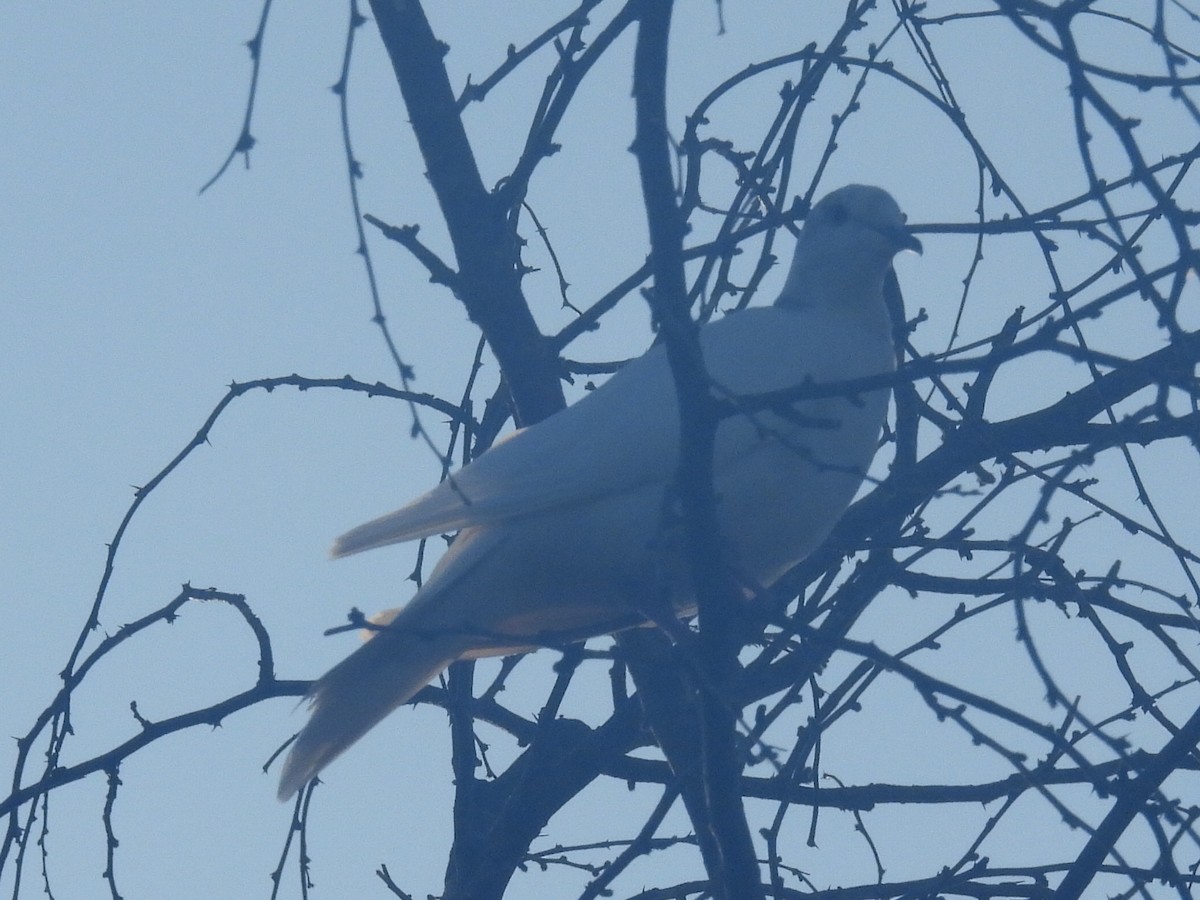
column 900, row 237
column 909, row 241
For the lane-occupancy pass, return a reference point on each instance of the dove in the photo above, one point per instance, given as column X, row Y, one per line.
column 564, row 530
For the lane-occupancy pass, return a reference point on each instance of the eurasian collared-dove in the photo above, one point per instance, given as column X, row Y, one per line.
column 563, row 528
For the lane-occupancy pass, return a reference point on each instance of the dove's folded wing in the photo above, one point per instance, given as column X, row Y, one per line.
column 608, row 442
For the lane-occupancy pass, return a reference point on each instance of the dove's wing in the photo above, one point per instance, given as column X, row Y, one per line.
column 571, row 457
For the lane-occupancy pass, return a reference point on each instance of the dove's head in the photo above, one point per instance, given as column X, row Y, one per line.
column 846, row 247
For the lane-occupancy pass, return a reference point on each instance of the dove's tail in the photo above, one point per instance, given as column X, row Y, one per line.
column 353, row 696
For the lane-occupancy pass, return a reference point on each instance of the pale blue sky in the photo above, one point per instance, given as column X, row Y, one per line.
column 130, row 302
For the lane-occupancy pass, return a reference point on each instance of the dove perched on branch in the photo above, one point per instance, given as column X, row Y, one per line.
column 562, row 526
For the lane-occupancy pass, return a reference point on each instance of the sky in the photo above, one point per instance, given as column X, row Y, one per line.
column 131, row 301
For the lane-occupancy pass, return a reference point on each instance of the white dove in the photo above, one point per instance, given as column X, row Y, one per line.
column 563, row 533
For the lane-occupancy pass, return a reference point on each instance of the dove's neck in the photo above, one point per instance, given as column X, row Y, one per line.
column 852, row 290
